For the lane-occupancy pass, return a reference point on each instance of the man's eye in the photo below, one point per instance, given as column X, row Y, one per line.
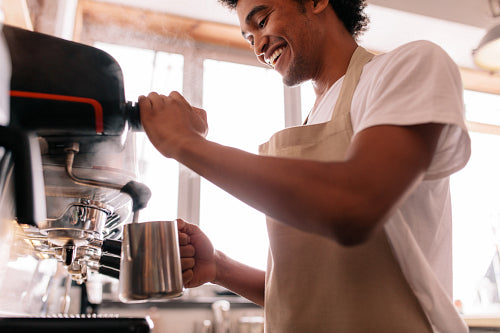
column 262, row 23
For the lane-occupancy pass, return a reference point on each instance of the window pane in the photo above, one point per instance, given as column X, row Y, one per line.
column 144, row 71
column 159, row 173
column 168, row 73
column 482, row 107
column 476, row 226
column 476, row 213
column 245, row 107
column 307, row 98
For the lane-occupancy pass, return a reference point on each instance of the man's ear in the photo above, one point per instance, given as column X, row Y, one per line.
column 320, row 5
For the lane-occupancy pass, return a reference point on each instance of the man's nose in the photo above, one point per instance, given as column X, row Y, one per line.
column 260, row 45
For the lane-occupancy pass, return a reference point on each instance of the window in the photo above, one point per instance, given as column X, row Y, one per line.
column 307, row 98
column 482, row 108
column 244, row 106
column 476, row 211
column 144, row 71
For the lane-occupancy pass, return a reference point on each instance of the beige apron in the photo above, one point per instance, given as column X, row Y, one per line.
column 315, row 285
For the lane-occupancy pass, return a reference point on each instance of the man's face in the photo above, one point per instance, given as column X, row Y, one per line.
column 278, row 31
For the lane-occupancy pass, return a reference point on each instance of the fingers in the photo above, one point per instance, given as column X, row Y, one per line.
column 154, row 100
column 187, row 228
column 144, row 104
column 184, row 239
column 187, row 251
column 187, row 263
column 180, row 224
column 173, row 109
column 174, row 96
column 187, row 276
column 196, row 254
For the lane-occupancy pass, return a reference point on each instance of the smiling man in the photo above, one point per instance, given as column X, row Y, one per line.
column 357, row 199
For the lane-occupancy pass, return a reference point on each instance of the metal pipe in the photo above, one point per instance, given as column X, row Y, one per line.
column 70, row 156
column 139, row 193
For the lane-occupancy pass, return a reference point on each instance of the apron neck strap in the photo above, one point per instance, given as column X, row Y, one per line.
column 359, row 59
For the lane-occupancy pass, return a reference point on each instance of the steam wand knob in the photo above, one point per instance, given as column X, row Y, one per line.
column 140, row 195
column 133, row 116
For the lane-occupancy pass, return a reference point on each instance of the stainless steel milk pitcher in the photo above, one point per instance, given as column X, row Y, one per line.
column 150, row 262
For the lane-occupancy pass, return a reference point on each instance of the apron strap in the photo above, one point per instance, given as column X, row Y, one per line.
column 359, row 59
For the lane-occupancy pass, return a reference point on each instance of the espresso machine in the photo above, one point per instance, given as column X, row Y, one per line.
column 75, row 186
column 71, row 97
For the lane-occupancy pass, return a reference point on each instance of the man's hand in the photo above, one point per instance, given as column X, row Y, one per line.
column 197, row 255
column 170, row 121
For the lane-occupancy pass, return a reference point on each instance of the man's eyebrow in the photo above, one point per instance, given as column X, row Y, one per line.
column 254, row 11
column 250, row 16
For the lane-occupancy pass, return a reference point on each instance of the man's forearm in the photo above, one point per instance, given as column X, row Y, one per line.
column 343, row 200
column 241, row 279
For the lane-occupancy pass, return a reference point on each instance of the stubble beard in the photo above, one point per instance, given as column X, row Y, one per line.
column 297, row 73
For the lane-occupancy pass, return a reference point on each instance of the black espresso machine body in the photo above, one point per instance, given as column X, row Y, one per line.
column 70, row 97
column 65, row 89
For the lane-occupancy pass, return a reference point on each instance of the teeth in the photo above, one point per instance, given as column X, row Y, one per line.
column 272, row 60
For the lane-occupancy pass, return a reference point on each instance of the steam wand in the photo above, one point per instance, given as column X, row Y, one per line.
column 139, row 192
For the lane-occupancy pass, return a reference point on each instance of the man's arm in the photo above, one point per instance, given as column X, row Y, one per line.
column 343, row 200
column 241, row 279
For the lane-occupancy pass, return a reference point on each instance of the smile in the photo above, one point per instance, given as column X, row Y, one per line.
column 274, row 57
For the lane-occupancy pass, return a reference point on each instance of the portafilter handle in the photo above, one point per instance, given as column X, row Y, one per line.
column 109, row 262
column 113, row 247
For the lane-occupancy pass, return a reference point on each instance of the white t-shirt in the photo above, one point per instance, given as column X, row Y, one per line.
column 415, row 84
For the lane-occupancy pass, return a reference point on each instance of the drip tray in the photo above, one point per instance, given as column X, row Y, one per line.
column 75, row 325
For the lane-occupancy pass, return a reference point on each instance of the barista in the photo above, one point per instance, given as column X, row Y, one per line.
column 357, row 199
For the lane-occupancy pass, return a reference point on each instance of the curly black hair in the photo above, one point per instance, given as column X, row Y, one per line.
column 350, row 12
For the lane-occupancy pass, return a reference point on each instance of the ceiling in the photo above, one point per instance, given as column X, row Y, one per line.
column 475, row 13
column 456, row 25
column 468, row 12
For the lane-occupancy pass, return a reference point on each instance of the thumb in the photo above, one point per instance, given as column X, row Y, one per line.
column 186, row 227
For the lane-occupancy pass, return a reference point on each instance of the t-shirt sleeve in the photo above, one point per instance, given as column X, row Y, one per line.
column 421, row 84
